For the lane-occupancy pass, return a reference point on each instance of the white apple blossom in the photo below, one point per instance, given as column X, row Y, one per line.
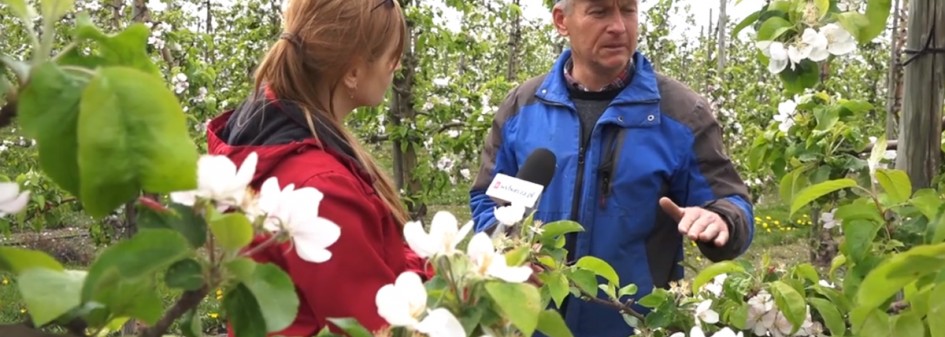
column 839, row 40
column 488, row 262
column 785, row 115
column 156, row 5
column 814, row 45
column 12, row 201
column 442, row 238
column 440, row 322
column 296, row 212
column 220, row 181
column 510, row 215
column 776, row 53
column 404, row 304
column 705, row 314
column 829, row 220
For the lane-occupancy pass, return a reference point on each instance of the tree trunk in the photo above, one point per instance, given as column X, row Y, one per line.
column 921, row 129
column 515, row 37
column 403, row 113
column 722, row 33
column 894, row 76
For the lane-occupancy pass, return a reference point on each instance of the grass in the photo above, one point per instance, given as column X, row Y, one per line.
column 777, row 236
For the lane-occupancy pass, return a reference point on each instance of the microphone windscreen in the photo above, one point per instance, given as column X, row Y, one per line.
column 539, row 167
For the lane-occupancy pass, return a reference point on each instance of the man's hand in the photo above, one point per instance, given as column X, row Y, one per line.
column 697, row 223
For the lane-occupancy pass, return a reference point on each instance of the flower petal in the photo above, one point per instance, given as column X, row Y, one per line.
column 8, row 191
column 186, row 198
column 393, row 307
column 480, row 246
column 15, row 205
column 312, row 239
column 411, row 287
column 501, row 270
column 440, row 322
column 418, row 240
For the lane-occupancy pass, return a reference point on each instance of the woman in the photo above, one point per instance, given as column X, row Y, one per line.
column 333, row 57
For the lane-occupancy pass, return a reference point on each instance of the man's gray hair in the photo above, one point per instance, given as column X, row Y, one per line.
column 565, row 5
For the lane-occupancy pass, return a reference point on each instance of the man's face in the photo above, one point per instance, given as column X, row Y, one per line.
column 603, row 33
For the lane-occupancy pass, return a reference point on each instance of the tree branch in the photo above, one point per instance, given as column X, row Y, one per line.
column 189, row 300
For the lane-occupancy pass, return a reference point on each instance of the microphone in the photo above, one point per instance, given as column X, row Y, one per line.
column 526, row 187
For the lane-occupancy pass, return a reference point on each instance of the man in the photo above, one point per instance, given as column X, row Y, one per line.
column 631, row 145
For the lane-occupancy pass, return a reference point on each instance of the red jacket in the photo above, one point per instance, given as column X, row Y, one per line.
column 371, row 251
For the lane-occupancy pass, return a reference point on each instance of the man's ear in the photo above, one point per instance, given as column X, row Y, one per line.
column 558, row 17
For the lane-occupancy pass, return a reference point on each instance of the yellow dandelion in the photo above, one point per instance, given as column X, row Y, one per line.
column 757, row 219
column 768, row 229
column 777, row 222
column 23, row 310
column 5, row 281
column 768, row 217
column 214, row 315
column 765, row 225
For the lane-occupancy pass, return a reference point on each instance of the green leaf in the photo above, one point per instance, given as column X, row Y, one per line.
column 243, row 312
column 826, row 118
column 275, row 294
column 585, row 280
column 859, row 237
column 551, row 324
column 927, row 201
column 893, row 274
column 937, row 309
column 628, row 290
column 877, row 13
column 233, row 231
column 792, row 183
column 823, row 7
column 713, row 270
column 832, row 318
column 128, row 48
column 599, row 267
column 811, row 193
column 855, row 23
column 804, row 76
column 140, row 257
column 519, row 302
column 807, row 271
column 773, row 28
column 185, row 274
column 860, row 209
column 130, row 142
column 55, row 9
column 351, row 327
column 50, row 293
column 191, row 324
column 517, row 256
column 909, row 324
column 557, row 285
column 17, row 260
column 858, row 108
column 48, row 110
column 553, row 229
column 747, row 21
column 790, row 302
column 655, row 299
column 180, row 218
column 896, row 184
column 870, row 323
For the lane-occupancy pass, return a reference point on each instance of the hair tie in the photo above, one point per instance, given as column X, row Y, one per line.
column 294, row 39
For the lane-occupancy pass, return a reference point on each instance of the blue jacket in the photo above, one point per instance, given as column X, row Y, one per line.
column 656, row 138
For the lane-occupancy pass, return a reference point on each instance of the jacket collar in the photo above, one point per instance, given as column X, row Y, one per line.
column 642, row 88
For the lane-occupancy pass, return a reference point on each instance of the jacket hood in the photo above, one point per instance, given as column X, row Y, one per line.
column 275, row 130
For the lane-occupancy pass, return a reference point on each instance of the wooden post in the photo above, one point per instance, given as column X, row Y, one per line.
column 924, row 79
column 722, row 34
